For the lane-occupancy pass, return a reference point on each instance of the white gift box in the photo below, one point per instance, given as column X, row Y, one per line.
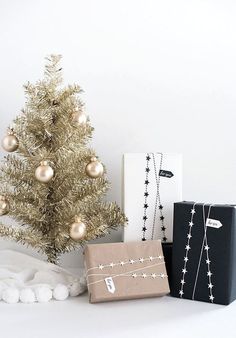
column 152, row 183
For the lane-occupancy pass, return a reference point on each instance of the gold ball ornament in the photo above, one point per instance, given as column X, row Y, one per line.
column 10, row 142
column 44, row 173
column 77, row 229
column 79, row 117
column 4, row 205
column 94, row 168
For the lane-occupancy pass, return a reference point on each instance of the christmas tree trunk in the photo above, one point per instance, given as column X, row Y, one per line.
column 53, row 184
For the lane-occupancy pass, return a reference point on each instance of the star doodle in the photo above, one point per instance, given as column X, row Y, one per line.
column 100, row 266
column 206, row 247
column 146, row 194
column 144, row 275
column 162, row 275
column 144, row 228
column 147, row 170
column 162, row 218
column 211, row 297
column 145, row 206
column 160, row 207
column 209, row 274
column 190, row 224
column 148, row 158
column 185, row 259
column 111, row 264
column 122, row 263
column 208, row 261
column 141, row 260
column 189, row 236
column 193, row 211
column 160, row 257
column 145, row 218
column 134, row 275
column 210, row 286
column 146, row 182
column 151, row 258
column 163, row 228
column 187, row 247
column 143, row 239
column 181, row 292
column 184, row 270
column 182, row 281
column 153, row 275
column 131, row 261
column 164, row 239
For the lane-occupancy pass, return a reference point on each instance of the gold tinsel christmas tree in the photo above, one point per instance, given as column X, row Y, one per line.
column 53, row 184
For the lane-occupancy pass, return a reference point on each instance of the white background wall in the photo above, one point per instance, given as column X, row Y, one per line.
column 157, row 75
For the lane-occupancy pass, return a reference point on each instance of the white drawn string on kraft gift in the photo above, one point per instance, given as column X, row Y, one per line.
column 205, row 247
column 158, row 204
column 130, row 273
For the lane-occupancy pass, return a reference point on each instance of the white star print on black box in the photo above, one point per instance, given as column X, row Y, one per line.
column 203, row 262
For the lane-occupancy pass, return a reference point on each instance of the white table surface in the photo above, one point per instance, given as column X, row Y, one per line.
column 155, row 317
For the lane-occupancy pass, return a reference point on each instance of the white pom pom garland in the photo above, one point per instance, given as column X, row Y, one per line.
column 27, row 296
column 75, row 289
column 60, row 292
column 11, row 295
column 43, row 294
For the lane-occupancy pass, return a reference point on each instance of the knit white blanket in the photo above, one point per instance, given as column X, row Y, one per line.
column 28, row 279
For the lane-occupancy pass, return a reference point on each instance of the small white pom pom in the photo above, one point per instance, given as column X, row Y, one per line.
column 27, row 296
column 60, row 292
column 43, row 294
column 77, row 288
column 10, row 295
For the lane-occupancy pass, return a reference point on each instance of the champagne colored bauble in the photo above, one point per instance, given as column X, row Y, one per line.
column 79, row 118
column 77, row 230
column 4, row 205
column 44, row 173
column 94, row 169
column 10, row 142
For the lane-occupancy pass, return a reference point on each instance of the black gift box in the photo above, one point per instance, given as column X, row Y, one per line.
column 167, row 252
column 204, row 252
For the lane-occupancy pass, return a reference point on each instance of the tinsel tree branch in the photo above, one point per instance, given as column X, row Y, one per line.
column 25, row 237
column 46, row 131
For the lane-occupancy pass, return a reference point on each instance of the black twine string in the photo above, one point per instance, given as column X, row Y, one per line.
column 146, row 194
column 158, row 204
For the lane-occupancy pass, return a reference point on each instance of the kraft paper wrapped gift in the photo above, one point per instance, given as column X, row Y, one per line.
column 152, row 182
column 117, row 271
column 204, row 252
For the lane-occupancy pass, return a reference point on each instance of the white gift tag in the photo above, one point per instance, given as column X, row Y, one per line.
column 110, row 284
column 213, row 223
